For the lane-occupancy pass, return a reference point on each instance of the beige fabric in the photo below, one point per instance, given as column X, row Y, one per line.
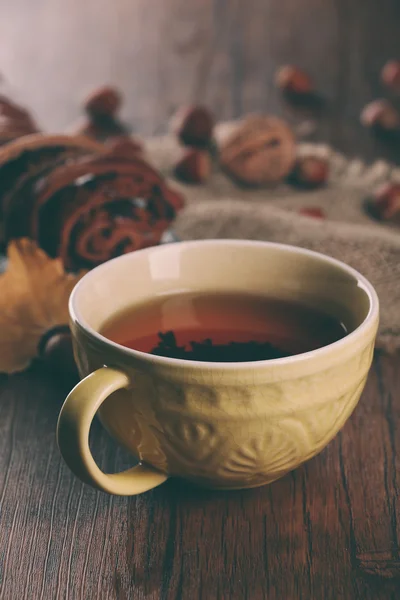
column 220, row 209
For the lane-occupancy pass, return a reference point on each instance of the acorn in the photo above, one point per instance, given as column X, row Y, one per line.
column 193, row 167
column 193, row 125
column 309, row 172
column 293, row 80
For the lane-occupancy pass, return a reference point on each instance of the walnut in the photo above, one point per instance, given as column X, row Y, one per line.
column 260, row 151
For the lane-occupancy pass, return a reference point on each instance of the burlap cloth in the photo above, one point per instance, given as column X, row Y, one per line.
column 220, row 209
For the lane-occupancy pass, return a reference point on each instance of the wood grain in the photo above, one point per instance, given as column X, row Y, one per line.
column 331, row 529
column 163, row 53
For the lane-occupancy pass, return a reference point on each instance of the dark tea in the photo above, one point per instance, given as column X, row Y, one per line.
column 223, row 327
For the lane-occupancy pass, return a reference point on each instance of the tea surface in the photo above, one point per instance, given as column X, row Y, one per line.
column 223, row 327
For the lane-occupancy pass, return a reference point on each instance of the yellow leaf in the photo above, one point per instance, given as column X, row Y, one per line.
column 34, row 293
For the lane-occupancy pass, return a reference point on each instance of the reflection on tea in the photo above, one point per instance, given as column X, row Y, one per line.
column 223, row 327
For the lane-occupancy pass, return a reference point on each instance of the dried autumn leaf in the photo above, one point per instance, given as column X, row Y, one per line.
column 34, row 293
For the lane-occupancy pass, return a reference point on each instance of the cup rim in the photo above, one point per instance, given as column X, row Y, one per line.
column 162, row 361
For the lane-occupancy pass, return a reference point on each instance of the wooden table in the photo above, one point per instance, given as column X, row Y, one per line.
column 331, row 529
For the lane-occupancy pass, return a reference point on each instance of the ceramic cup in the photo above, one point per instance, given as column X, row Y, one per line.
column 220, row 425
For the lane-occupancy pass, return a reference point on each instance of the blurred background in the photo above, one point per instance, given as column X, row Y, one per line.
column 223, row 53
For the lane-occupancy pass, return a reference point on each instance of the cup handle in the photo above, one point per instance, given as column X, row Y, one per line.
column 73, row 428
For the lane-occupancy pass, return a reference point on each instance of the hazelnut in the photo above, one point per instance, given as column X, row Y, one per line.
column 103, row 102
column 380, row 114
column 14, row 119
column 293, row 80
column 386, row 202
column 100, row 129
column 86, row 128
column 124, row 146
column 391, row 74
column 193, row 125
column 310, row 172
column 194, row 166
column 312, row 211
column 261, row 150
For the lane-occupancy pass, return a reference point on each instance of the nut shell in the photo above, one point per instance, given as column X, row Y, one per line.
column 260, row 151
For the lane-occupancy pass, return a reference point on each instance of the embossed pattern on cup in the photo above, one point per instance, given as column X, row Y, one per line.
column 227, row 427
